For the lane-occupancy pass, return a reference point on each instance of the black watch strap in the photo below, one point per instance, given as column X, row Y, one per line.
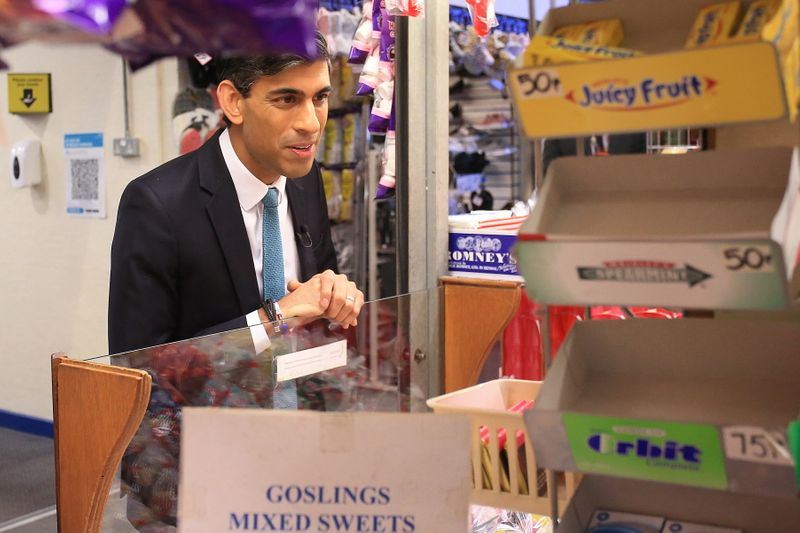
column 269, row 309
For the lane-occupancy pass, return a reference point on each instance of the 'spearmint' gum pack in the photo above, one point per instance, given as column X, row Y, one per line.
column 758, row 14
column 599, row 33
column 554, row 50
column 713, row 24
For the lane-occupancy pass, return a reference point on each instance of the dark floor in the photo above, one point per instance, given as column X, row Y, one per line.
column 27, row 483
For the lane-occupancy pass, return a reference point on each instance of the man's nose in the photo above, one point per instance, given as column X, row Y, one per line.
column 307, row 120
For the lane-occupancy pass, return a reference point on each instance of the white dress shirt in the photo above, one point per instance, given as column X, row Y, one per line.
column 251, row 191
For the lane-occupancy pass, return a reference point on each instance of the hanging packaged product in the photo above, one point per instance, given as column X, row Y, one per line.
column 483, row 16
column 387, row 45
column 406, row 8
column 362, row 40
column 758, row 14
column 95, row 16
column 386, row 185
column 382, row 108
column 370, row 75
column 598, row 33
column 544, row 50
column 713, row 24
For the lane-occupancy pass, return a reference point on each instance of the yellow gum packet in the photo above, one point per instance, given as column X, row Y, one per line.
column 553, row 50
column 607, row 32
column 758, row 14
column 713, row 24
column 791, row 66
column 781, row 30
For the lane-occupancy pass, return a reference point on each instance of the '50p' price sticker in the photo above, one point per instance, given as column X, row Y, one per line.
column 754, row 444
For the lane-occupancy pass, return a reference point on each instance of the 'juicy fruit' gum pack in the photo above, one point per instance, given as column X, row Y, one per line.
column 599, row 32
column 555, row 50
column 713, row 24
column 758, row 14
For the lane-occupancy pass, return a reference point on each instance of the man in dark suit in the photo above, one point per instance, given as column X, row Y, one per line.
column 204, row 239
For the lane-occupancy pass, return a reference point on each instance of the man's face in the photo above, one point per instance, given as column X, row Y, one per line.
column 282, row 120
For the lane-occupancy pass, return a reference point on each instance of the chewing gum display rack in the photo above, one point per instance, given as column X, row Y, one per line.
column 667, row 87
column 707, row 230
column 681, row 402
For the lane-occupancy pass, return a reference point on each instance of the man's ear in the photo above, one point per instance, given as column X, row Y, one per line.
column 230, row 100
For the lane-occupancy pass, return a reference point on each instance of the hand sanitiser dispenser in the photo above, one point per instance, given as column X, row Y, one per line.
column 25, row 163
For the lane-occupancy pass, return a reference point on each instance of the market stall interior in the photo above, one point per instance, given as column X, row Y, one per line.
column 576, row 225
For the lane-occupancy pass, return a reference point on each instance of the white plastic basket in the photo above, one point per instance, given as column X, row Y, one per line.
column 487, row 405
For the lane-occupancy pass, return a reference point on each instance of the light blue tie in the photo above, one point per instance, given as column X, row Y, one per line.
column 284, row 396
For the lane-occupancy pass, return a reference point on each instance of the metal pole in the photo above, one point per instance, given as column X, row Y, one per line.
column 401, row 155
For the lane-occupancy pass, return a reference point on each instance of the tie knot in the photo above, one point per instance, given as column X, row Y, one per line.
column 272, row 198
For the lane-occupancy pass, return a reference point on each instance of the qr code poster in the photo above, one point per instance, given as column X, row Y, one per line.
column 86, row 185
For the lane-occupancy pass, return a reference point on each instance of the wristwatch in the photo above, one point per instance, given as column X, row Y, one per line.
column 274, row 315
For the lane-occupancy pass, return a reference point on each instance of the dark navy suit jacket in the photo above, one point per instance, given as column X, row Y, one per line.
column 181, row 264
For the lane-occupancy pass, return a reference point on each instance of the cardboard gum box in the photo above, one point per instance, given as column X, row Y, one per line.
column 669, row 86
column 672, row 379
column 706, row 230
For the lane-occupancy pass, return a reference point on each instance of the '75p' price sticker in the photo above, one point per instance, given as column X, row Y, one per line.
column 754, row 444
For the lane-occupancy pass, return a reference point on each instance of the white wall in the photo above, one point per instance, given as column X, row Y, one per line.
column 53, row 268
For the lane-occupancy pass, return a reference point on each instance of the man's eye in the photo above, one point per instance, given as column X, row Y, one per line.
column 323, row 97
column 287, row 100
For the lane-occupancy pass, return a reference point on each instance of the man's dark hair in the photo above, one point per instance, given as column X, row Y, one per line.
column 243, row 71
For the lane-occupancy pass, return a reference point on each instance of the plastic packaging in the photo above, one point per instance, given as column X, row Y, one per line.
column 369, row 78
column 522, row 342
column 382, row 108
column 150, row 29
column 406, row 8
column 97, row 16
column 362, row 40
column 483, row 16
column 386, row 185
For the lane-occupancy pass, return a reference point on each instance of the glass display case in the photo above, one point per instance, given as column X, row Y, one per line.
column 240, row 369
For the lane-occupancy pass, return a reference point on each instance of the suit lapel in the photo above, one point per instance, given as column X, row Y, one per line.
column 226, row 218
column 300, row 221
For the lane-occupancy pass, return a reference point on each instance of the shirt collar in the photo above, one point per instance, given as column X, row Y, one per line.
column 249, row 189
